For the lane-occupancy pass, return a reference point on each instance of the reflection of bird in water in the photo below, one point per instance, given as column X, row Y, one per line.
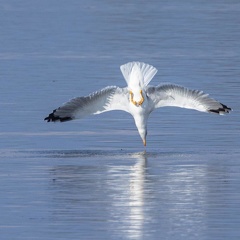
column 138, row 98
column 126, row 187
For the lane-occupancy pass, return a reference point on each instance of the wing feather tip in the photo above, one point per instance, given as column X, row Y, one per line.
column 54, row 118
column 222, row 110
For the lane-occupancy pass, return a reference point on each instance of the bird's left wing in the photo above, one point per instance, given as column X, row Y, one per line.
column 107, row 99
column 178, row 96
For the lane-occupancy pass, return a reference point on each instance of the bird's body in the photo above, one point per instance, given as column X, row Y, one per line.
column 138, row 98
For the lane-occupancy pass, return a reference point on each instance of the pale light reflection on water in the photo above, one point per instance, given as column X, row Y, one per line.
column 134, row 196
column 130, row 195
column 116, row 189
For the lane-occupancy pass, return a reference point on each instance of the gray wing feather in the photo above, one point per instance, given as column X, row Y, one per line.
column 107, row 99
column 178, row 96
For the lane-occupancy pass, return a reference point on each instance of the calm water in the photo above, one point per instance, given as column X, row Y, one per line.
column 93, row 179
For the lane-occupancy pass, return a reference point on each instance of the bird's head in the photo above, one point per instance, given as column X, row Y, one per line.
column 143, row 133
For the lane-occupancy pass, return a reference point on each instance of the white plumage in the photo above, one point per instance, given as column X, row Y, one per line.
column 138, row 98
column 131, row 69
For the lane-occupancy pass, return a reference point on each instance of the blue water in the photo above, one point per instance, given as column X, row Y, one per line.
column 93, row 179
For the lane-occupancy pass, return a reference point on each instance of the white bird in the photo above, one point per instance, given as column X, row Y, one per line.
column 138, row 98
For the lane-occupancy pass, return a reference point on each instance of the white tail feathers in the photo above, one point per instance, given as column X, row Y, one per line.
column 145, row 74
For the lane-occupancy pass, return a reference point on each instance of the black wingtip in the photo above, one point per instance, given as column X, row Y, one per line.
column 226, row 108
column 54, row 118
column 222, row 110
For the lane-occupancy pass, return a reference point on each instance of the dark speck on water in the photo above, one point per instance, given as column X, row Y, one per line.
column 92, row 178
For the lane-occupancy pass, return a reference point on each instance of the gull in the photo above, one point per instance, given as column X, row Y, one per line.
column 138, row 98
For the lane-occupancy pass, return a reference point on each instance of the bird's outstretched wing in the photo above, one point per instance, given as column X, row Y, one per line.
column 178, row 96
column 107, row 99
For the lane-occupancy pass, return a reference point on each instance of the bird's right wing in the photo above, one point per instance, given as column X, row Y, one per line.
column 107, row 99
column 178, row 96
